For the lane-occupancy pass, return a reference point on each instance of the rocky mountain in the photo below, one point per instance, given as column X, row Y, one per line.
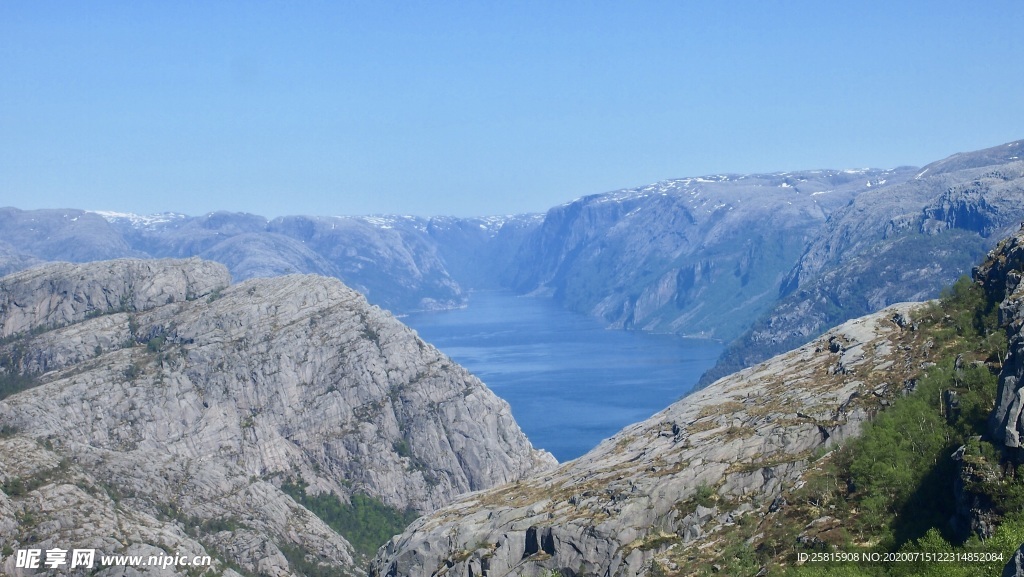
column 610, row 512
column 1002, row 278
column 400, row 263
column 664, row 495
column 33, row 237
column 763, row 261
column 898, row 242
column 149, row 406
column 695, row 256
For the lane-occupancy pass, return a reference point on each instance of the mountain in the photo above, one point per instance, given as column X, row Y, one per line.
column 763, row 262
column 401, row 263
column 746, row 437
column 695, row 256
column 33, row 237
column 846, row 444
column 1001, row 277
column 151, row 406
column 902, row 241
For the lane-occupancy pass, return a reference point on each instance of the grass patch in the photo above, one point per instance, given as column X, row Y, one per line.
column 365, row 522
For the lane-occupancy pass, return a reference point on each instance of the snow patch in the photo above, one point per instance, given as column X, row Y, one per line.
column 138, row 220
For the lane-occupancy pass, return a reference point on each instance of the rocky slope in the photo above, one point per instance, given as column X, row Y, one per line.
column 771, row 258
column 716, row 466
column 150, row 406
column 1002, row 274
column 698, row 256
column 743, row 439
column 899, row 242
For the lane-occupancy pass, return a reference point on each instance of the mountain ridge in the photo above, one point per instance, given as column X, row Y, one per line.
column 762, row 261
column 176, row 407
column 718, row 467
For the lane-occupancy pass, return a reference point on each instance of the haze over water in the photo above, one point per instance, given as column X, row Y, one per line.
column 571, row 382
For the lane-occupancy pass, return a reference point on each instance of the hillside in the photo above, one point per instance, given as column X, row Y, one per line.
column 764, row 262
column 695, row 256
column 744, row 474
column 900, row 242
column 151, row 406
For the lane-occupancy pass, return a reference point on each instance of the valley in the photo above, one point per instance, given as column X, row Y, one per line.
column 570, row 381
column 245, row 388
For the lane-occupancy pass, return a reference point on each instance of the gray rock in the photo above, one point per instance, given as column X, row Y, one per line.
column 1001, row 275
column 903, row 241
column 697, row 256
column 746, row 437
column 61, row 294
column 1015, row 566
column 176, row 419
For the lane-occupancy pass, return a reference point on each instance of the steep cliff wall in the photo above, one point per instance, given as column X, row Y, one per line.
column 698, row 256
column 1001, row 274
column 899, row 242
column 173, row 420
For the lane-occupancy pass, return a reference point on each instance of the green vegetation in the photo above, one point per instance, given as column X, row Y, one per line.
column 847, row 295
column 893, row 487
column 21, row 486
column 705, row 495
column 133, row 371
column 12, row 378
column 891, row 490
column 11, row 383
column 365, row 522
column 402, row 448
column 156, row 344
column 300, row 562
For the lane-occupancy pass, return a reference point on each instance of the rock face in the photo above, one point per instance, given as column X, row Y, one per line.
column 1015, row 567
column 766, row 261
column 699, row 256
column 160, row 409
column 1002, row 275
column 902, row 241
column 741, row 440
column 60, row 294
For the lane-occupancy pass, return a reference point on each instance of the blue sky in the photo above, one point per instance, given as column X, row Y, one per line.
column 480, row 108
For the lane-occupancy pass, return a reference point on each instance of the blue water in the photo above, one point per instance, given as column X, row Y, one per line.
column 571, row 382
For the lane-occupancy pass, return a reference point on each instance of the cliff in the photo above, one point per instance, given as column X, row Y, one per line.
column 402, row 263
column 151, row 406
column 903, row 241
column 778, row 458
column 1001, row 275
column 742, row 440
column 698, row 256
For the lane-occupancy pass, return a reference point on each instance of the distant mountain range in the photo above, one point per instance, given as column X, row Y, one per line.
column 400, row 263
column 285, row 426
column 764, row 262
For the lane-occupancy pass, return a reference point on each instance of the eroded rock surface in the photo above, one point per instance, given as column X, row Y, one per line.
column 63, row 293
column 170, row 420
column 1001, row 274
column 743, row 439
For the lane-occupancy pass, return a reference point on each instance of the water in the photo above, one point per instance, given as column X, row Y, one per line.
column 571, row 382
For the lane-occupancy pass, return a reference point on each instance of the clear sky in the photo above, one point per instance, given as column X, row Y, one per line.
column 478, row 108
